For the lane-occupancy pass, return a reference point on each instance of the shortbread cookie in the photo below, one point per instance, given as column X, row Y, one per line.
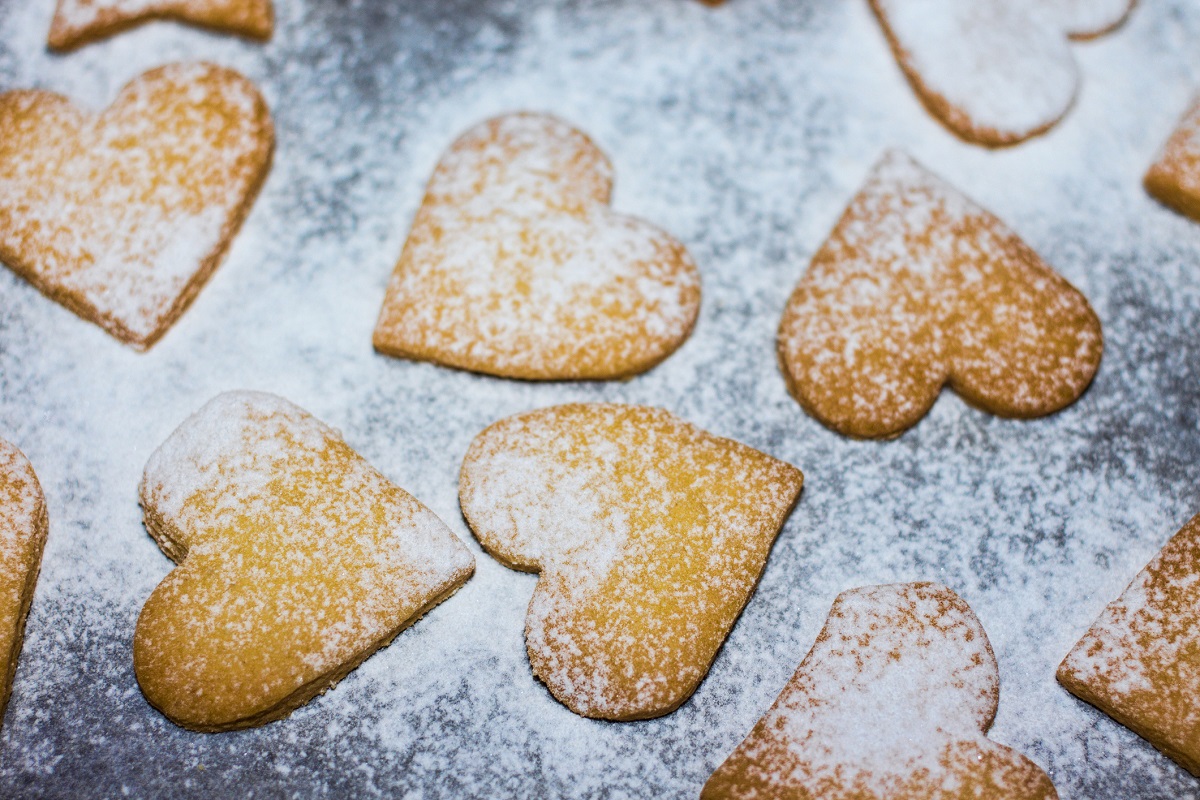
column 995, row 72
column 122, row 216
column 1140, row 662
column 516, row 266
column 1174, row 180
column 78, row 22
column 297, row 560
column 22, row 535
column 649, row 535
column 891, row 703
column 918, row 287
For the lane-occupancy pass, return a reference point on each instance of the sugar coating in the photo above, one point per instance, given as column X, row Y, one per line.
column 995, row 72
column 1140, row 661
column 892, row 701
column 78, row 22
column 123, row 216
column 917, row 287
column 649, row 535
column 516, row 265
column 297, row 559
column 1174, row 178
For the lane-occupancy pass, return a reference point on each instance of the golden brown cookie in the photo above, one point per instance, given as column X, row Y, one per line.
column 918, row 287
column 1174, row 180
column 995, row 72
column 891, row 703
column 649, row 535
column 1140, row 662
column 122, row 216
column 79, row 22
column 23, row 529
column 297, row 560
column 516, row 266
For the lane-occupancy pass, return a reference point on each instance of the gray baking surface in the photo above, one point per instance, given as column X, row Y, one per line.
column 744, row 130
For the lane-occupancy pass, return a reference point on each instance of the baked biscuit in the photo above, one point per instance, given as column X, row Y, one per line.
column 892, row 702
column 995, row 72
column 79, row 22
column 1140, row 662
column 918, row 287
column 649, row 534
column 516, row 266
column 23, row 529
column 122, row 216
column 1174, row 180
column 297, row 560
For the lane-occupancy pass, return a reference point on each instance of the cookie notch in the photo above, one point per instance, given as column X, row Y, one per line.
column 893, row 700
column 296, row 561
column 80, row 22
column 517, row 266
column 1174, row 178
column 649, row 535
column 918, row 287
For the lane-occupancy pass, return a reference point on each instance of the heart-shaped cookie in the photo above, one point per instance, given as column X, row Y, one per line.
column 892, row 702
column 1140, row 662
column 1174, row 180
column 297, row 560
column 23, row 529
column 78, row 22
column 122, row 216
column 649, row 535
column 516, row 266
column 995, row 72
column 917, row 287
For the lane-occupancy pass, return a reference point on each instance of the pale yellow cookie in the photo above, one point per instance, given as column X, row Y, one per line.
column 516, row 266
column 892, row 703
column 78, row 22
column 1140, row 662
column 23, row 529
column 918, row 287
column 297, row 560
column 649, row 534
column 122, row 216
column 1174, row 180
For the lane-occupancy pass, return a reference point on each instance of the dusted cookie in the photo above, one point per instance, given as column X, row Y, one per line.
column 918, row 287
column 1174, row 180
column 649, row 535
column 122, row 216
column 516, row 266
column 22, row 536
column 78, row 22
column 1140, row 662
column 891, row 703
column 297, row 560
column 995, row 72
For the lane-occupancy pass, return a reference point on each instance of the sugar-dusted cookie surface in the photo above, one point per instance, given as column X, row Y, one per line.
column 517, row 266
column 918, row 287
column 891, row 703
column 1174, row 179
column 297, row 560
column 122, row 216
column 23, row 529
column 995, row 72
column 1140, row 662
column 649, row 535
column 78, row 22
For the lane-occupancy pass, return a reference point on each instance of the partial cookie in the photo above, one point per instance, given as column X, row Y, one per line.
column 122, row 216
column 516, row 266
column 892, row 702
column 297, row 560
column 1140, row 662
column 918, row 287
column 995, row 72
column 1174, row 180
column 649, row 534
column 23, row 529
column 79, row 22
